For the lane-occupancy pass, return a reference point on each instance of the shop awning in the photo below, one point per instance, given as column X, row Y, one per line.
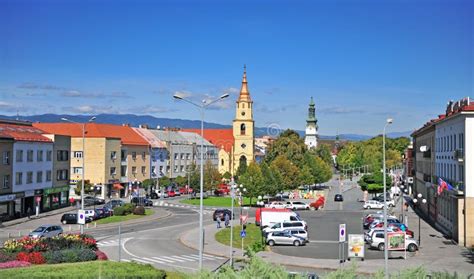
column 118, row 186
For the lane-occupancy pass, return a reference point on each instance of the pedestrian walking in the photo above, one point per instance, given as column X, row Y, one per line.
column 218, row 222
column 226, row 220
column 28, row 212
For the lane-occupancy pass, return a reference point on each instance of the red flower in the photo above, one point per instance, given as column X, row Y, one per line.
column 101, row 256
column 33, row 257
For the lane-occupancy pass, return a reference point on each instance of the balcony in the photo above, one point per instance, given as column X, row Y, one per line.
column 459, row 155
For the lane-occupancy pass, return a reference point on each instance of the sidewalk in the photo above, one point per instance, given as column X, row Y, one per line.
column 436, row 253
column 34, row 217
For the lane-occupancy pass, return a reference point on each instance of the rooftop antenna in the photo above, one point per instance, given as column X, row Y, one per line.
column 17, row 115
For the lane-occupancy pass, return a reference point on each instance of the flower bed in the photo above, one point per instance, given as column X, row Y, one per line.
column 61, row 249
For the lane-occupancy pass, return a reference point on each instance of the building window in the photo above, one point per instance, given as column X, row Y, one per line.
column 153, row 170
column 29, row 177
column 6, row 157
column 113, row 155
column 113, row 171
column 39, row 155
column 6, row 181
column 143, row 170
column 242, row 129
column 175, row 168
column 48, row 175
column 62, row 175
column 182, row 156
column 39, row 176
column 134, row 155
column 143, row 155
column 161, row 169
column 454, row 141
column 29, row 156
column 123, row 170
column 123, row 155
column 19, row 178
column 49, row 155
column 77, row 170
column 222, row 162
column 77, row 154
column 176, row 156
column 19, row 155
column 134, row 170
column 62, row 155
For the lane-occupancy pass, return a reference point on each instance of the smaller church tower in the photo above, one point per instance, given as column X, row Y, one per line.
column 311, row 134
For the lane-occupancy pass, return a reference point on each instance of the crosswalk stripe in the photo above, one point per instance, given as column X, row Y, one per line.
column 212, row 256
column 169, row 257
column 209, row 258
column 194, row 256
column 188, row 256
column 125, row 260
column 186, row 259
column 153, row 260
column 165, row 260
column 142, row 261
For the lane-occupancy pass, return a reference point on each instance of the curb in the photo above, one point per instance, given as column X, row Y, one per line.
column 131, row 222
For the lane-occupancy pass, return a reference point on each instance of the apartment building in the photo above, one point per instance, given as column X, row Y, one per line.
column 58, row 195
column 159, row 155
column 114, row 156
column 445, row 149
column 32, row 165
column 7, row 209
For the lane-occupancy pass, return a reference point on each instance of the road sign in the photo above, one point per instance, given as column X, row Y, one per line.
column 81, row 217
column 342, row 232
column 243, row 233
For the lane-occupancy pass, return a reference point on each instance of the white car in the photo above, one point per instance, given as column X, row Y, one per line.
column 284, row 237
column 377, row 241
column 276, row 204
column 373, row 204
column 90, row 213
column 296, row 205
column 299, row 232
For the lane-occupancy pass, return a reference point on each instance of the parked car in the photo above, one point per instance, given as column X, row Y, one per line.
column 299, row 232
column 177, row 193
column 171, row 193
column 378, row 241
column 153, row 196
column 107, row 210
column 338, row 198
column 46, row 231
column 373, row 204
column 283, row 195
column 88, row 200
column 296, row 205
column 162, row 194
column 114, row 203
column 285, row 238
column 220, row 213
column 267, row 217
column 141, row 201
column 286, row 225
column 90, row 213
column 390, row 202
column 71, row 218
column 379, row 223
column 100, row 213
column 276, row 204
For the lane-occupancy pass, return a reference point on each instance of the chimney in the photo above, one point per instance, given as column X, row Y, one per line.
column 143, row 126
column 126, row 124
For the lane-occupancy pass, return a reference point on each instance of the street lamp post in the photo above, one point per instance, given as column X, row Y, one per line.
column 83, row 158
column 204, row 104
column 418, row 202
column 260, row 203
column 232, row 194
column 389, row 121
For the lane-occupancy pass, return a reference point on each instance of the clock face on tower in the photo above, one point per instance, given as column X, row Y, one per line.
column 243, row 145
column 243, row 113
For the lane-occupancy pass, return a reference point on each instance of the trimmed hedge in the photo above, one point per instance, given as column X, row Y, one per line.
column 139, row 210
column 70, row 256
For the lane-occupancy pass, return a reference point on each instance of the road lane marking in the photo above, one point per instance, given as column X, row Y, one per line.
column 154, row 260
column 142, row 261
column 181, row 258
column 161, row 259
column 125, row 260
column 217, row 257
column 170, row 257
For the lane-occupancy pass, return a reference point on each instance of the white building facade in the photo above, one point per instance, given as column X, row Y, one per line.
column 311, row 132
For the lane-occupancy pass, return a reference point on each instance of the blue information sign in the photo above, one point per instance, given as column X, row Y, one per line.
column 243, row 233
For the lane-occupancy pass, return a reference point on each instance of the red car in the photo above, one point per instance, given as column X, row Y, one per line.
column 171, row 193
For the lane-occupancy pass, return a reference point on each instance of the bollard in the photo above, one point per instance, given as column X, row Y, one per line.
column 8, row 234
column 95, row 224
column 87, row 225
column 19, row 233
column 69, row 227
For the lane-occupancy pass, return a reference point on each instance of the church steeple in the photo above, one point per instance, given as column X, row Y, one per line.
column 311, row 137
column 244, row 91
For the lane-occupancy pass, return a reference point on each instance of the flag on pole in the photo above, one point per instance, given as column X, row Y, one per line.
column 443, row 185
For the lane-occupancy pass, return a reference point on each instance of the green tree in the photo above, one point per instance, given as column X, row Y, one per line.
column 323, row 152
column 241, row 169
column 181, row 180
column 147, row 183
column 288, row 171
column 272, row 179
column 88, row 187
column 306, row 176
column 164, row 181
column 253, row 181
column 320, row 171
column 289, row 145
column 212, row 177
column 373, row 183
column 227, row 175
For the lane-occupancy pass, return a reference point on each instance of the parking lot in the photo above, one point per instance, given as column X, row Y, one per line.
column 323, row 227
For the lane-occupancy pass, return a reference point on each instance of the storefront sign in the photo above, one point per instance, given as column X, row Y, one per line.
column 20, row 195
column 396, row 241
column 29, row 193
column 54, row 190
column 38, row 192
column 6, row 198
column 356, row 246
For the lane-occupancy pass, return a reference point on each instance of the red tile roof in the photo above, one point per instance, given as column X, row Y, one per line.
column 94, row 130
column 221, row 138
column 22, row 133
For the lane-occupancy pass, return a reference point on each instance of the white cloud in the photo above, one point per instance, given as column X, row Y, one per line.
column 149, row 109
column 87, row 109
column 7, row 107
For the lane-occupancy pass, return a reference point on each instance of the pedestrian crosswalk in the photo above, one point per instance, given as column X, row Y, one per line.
column 173, row 259
column 108, row 243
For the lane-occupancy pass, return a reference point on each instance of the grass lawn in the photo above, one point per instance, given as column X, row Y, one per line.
column 253, row 235
column 219, row 201
column 115, row 219
column 95, row 269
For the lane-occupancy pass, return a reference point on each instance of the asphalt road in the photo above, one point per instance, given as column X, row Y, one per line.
column 158, row 243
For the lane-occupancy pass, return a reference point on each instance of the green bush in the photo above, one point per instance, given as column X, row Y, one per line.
column 128, row 207
column 139, row 210
column 7, row 256
column 70, row 256
column 120, row 211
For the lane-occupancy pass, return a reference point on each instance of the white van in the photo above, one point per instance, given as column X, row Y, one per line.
column 269, row 217
column 287, row 225
column 90, row 213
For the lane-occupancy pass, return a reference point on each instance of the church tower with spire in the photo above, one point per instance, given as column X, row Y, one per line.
column 311, row 134
column 243, row 128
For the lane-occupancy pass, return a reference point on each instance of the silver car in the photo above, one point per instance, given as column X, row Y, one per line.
column 285, row 238
column 46, row 231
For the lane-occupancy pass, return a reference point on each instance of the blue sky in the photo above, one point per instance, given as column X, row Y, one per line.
column 362, row 61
